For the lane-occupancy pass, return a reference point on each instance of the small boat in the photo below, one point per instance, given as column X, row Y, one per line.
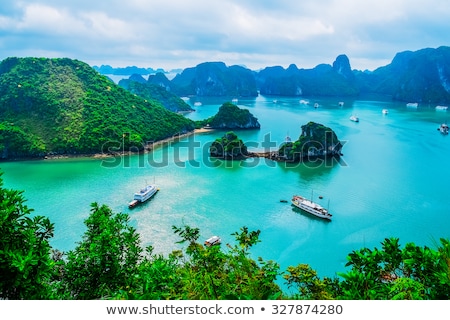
column 412, row 104
column 441, row 108
column 443, row 128
column 316, row 105
column 304, row 101
column 341, row 103
column 354, row 118
column 235, row 100
column 283, row 201
column 311, row 207
column 385, row 111
column 213, row 241
column 197, row 103
column 143, row 195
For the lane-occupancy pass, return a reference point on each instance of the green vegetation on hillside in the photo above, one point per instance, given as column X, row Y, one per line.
column 156, row 92
column 109, row 263
column 230, row 116
column 228, row 147
column 64, row 106
column 315, row 140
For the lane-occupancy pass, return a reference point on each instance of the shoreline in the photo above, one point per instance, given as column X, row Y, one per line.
column 148, row 148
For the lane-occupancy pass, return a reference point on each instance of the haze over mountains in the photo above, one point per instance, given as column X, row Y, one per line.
column 420, row 76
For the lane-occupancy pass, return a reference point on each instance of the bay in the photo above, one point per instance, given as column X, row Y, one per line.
column 392, row 181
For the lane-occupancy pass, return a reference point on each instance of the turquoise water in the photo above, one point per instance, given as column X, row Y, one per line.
column 393, row 181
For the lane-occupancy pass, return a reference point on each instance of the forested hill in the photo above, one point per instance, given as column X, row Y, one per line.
column 63, row 106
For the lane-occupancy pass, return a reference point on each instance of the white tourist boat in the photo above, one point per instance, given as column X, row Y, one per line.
column 443, row 128
column 354, row 118
column 441, row 108
column 143, row 195
column 311, row 207
column 385, row 111
column 412, row 104
column 214, row 240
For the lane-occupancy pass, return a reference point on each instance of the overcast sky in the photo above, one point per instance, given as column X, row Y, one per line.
column 256, row 33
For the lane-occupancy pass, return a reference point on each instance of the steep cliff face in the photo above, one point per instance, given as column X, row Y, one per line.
column 216, row 79
column 420, row 76
column 323, row 80
column 316, row 140
column 231, row 116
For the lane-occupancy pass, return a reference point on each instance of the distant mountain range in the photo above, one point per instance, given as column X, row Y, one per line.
column 419, row 76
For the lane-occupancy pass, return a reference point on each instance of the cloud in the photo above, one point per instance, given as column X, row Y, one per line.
column 255, row 33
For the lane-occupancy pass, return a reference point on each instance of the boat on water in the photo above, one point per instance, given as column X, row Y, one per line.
column 443, row 128
column 441, row 108
column 385, row 111
column 412, row 104
column 143, row 195
column 311, row 207
column 213, row 241
column 354, row 118
column 302, row 101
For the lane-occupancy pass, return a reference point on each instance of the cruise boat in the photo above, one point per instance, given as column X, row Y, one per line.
column 311, row 207
column 412, row 104
column 443, row 128
column 385, row 111
column 143, row 195
column 441, row 108
column 214, row 240
column 354, row 118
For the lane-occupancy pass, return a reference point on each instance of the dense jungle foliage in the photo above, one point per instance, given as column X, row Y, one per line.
column 64, row 106
column 110, row 263
column 150, row 90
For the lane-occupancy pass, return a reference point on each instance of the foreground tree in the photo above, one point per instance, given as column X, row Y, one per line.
column 106, row 260
column 25, row 264
column 393, row 273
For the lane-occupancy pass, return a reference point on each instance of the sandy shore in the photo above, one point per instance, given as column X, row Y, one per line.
column 148, row 148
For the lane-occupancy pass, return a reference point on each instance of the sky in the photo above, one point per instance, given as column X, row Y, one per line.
column 172, row 34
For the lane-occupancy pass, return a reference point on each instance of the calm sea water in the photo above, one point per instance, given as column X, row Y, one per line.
column 393, row 181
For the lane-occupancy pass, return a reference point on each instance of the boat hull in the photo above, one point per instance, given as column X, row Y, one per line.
column 311, row 207
column 144, row 195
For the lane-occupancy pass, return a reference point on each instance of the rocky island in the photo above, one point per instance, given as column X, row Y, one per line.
column 315, row 141
column 231, row 117
column 229, row 147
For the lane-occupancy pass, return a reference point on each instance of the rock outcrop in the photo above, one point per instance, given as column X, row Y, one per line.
column 315, row 141
column 230, row 116
column 228, row 147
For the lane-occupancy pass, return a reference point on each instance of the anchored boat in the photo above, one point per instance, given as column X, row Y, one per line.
column 311, row 207
column 143, row 195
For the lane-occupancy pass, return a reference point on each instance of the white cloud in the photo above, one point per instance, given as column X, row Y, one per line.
column 176, row 33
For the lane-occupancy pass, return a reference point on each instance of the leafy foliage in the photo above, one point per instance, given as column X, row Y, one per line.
column 156, row 92
column 106, row 260
column 316, row 140
column 25, row 264
column 228, row 147
column 109, row 263
column 230, row 116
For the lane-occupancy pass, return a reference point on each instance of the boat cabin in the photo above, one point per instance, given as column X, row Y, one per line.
column 214, row 240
